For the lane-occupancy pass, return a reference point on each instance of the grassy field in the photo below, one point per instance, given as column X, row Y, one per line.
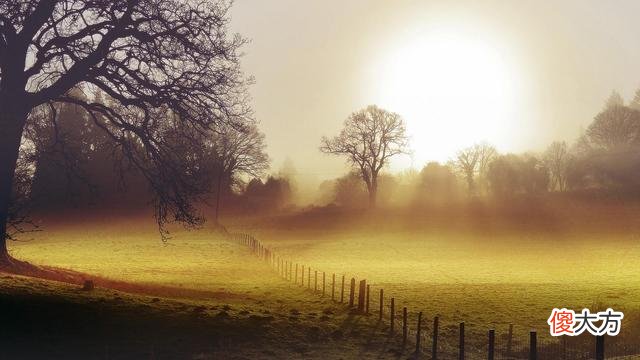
column 197, row 296
column 484, row 270
column 489, row 274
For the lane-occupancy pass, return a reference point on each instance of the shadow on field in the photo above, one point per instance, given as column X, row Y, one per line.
column 48, row 326
column 18, row 267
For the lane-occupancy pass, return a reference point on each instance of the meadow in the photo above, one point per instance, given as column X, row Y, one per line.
column 480, row 266
column 486, row 266
column 196, row 296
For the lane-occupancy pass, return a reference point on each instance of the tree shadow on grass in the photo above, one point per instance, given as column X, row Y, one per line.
column 18, row 267
column 40, row 325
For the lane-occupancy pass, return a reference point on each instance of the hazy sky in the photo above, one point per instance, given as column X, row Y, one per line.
column 518, row 74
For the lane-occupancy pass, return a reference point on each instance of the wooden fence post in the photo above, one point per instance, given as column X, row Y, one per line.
column 308, row 277
column 461, row 342
column 492, row 340
column 381, row 304
column 315, row 281
column 434, row 347
column 323, row 283
column 533, row 346
column 352, row 292
column 302, row 277
column 295, row 281
column 509, row 339
column 418, row 335
column 404, row 326
column 366, row 310
column 600, row 347
column 290, row 271
column 392, row 316
column 362, row 292
column 342, row 291
column 333, row 287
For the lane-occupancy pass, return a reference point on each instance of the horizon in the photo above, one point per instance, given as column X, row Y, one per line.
column 553, row 78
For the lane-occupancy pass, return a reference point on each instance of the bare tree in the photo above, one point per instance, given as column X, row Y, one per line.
column 237, row 151
column 369, row 138
column 474, row 161
column 159, row 61
column 556, row 159
column 614, row 128
column 635, row 102
column 614, row 100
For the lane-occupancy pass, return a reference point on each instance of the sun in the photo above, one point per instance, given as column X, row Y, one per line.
column 453, row 87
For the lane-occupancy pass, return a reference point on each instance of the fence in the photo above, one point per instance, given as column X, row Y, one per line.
column 429, row 336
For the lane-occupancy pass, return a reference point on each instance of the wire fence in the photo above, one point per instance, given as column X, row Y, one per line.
column 428, row 335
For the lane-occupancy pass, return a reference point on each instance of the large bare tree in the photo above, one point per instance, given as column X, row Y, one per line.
column 368, row 139
column 165, row 64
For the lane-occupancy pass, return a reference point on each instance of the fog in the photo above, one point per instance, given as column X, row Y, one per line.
column 563, row 60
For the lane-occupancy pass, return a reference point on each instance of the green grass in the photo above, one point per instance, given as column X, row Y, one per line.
column 241, row 308
column 486, row 271
column 486, row 276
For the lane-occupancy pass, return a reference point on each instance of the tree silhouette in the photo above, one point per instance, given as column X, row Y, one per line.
column 438, row 182
column 158, row 61
column 369, row 138
column 237, row 152
column 635, row 102
column 513, row 174
column 615, row 99
column 556, row 159
column 473, row 161
column 614, row 128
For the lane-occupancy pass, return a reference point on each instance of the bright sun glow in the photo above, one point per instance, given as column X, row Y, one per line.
column 453, row 88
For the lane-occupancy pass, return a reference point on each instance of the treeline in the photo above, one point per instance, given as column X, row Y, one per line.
column 68, row 161
column 605, row 157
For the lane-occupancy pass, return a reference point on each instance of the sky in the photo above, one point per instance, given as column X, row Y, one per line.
column 516, row 74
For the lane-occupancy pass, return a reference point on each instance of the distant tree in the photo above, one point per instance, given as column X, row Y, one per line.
column 635, row 102
column 273, row 194
column 237, row 151
column 349, row 190
column 556, row 159
column 369, row 138
column 473, row 162
column 534, row 175
column 155, row 59
column 607, row 155
column 503, row 175
column 74, row 159
column 613, row 128
column 438, row 181
column 614, row 100
column 510, row 174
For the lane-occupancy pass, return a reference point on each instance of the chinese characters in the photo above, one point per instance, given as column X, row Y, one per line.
column 567, row 322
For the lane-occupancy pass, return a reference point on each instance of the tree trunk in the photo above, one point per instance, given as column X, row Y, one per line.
column 471, row 186
column 12, row 120
column 373, row 193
